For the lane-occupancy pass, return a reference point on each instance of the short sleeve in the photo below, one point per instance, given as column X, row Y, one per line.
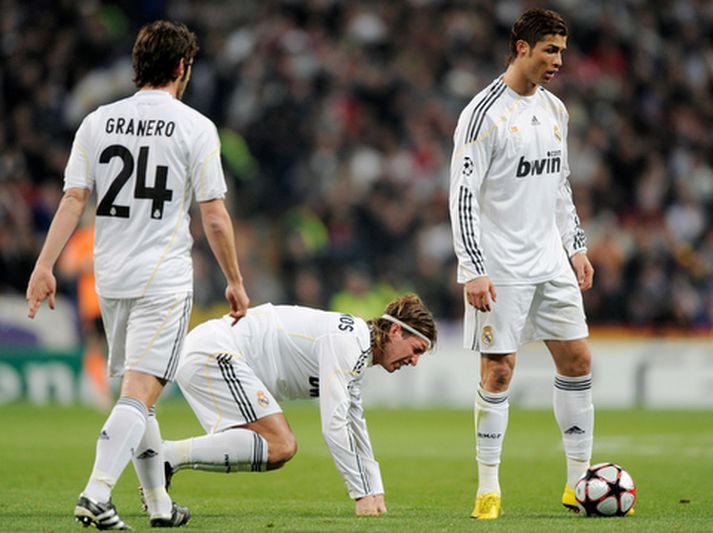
column 206, row 169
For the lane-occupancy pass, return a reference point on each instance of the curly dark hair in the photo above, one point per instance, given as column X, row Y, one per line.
column 410, row 310
column 533, row 25
column 159, row 47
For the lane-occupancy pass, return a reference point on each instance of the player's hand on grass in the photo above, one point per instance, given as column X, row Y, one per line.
column 238, row 300
column 380, row 504
column 480, row 293
column 584, row 270
column 370, row 505
column 42, row 285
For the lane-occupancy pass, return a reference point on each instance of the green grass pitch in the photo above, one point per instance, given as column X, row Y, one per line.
column 427, row 463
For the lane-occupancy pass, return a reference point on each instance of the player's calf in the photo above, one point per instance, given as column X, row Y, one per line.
column 281, row 450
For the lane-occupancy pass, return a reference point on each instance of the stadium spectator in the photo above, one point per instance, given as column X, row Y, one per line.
column 233, row 378
column 333, row 101
column 168, row 153
column 522, row 255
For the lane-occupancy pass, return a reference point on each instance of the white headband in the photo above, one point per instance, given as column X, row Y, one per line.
column 408, row 328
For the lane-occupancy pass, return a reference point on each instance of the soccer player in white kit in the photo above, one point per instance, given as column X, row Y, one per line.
column 521, row 252
column 233, row 378
column 145, row 156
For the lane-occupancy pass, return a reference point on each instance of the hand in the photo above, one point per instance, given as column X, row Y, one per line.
column 42, row 285
column 238, row 300
column 583, row 269
column 380, row 504
column 479, row 292
column 370, row 505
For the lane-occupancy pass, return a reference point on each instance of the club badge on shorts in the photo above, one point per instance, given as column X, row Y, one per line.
column 262, row 399
column 487, row 335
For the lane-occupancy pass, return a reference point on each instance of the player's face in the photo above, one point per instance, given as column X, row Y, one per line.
column 401, row 350
column 542, row 62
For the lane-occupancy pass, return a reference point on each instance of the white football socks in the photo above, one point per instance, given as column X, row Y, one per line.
column 120, row 435
column 232, row 450
column 491, row 421
column 574, row 413
column 148, row 463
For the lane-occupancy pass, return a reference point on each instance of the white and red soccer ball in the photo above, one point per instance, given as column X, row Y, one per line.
column 606, row 489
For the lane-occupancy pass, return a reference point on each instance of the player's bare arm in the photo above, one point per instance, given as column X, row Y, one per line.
column 42, row 284
column 583, row 269
column 480, row 293
column 219, row 232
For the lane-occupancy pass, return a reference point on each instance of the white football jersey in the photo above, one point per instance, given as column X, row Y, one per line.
column 298, row 352
column 146, row 156
column 511, row 206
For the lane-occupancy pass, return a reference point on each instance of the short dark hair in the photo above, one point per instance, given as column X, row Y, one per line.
column 533, row 25
column 159, row 47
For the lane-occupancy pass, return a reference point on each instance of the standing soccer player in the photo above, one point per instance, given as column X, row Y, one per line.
column 521, row 252
column 146, row 156
column 233, row 377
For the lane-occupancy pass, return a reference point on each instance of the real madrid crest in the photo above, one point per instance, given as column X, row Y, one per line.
column 487, row 335
column 262, row 399
column 558, row 134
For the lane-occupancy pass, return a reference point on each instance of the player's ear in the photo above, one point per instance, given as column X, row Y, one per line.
column 522, row 47
column 181, row 68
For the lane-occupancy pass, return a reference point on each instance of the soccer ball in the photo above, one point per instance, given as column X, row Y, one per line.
column 605, row 489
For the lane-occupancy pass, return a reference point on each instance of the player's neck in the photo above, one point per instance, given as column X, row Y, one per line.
column 515, row 78
column 171, row 88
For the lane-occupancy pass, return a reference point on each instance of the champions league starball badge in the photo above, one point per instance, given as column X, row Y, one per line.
column 468, row 166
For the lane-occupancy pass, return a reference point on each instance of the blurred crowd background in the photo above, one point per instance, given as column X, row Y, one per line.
column 336, row 119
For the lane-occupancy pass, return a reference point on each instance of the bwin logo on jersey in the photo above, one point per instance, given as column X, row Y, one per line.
column 546, row 165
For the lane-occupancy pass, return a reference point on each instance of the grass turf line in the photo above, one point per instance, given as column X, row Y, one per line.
column 427, row 464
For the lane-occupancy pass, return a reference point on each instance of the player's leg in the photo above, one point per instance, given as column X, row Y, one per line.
column 246, row 430
column 145, row 337
column 149, row 465
column 121, row 433
column 266, row 444
column 574, row 410
column 281, row 441
column 155, row 339
column 491, row 420
column 496, row 335
column 561, row 323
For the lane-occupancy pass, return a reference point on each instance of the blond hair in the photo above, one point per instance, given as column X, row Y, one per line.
column 410, row 310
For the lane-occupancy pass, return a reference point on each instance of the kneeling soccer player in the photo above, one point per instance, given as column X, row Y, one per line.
column 233, row 376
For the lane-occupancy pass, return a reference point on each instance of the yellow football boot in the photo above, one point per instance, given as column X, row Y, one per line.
column 569, row 500
column 487, row 506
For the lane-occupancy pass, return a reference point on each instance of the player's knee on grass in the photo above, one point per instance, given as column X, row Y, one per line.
column 280, row 450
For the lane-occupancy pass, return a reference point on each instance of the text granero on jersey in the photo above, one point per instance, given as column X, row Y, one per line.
column 145, row 128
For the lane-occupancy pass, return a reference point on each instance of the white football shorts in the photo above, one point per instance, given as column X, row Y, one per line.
column 552, row 310
column 220, row 387
column 146, row 334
